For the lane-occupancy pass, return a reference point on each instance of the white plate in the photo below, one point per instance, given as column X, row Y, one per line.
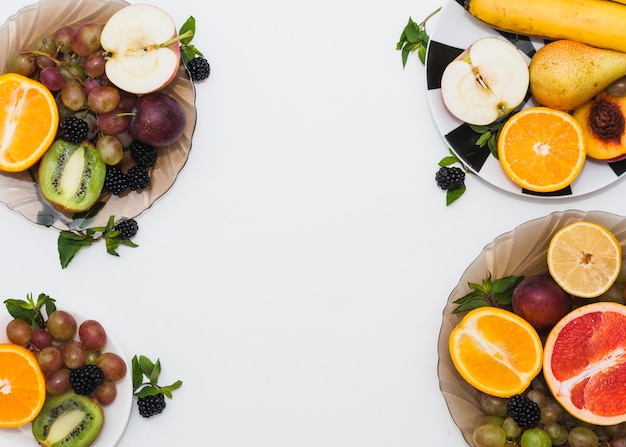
column 456, row 29
column 116, row 415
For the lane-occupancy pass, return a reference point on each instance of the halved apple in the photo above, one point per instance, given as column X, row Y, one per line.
column 142, row 48
column 485, row 82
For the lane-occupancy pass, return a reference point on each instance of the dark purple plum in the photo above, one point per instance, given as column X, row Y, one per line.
column 540, row 301
column 157, row 119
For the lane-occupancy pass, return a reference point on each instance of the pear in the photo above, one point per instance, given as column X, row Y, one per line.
column 565, row 74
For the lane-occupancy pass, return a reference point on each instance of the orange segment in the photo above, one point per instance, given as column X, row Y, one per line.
column 542, row 149
column 584, row 363
column 28, row 121
column 496, row 351
column 585, row 259
column 22, row 386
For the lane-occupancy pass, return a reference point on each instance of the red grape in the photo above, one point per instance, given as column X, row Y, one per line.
column 19, row 332
column 61, row 325
column 92, row 335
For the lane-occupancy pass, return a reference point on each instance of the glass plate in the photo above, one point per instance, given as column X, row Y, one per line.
column 20, row 191
column 116, row 415
column 521, row 251
column 455, row 30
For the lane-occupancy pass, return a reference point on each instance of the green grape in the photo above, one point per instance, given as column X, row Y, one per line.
column 492, row 405
column 489, row 435
column 511, row 428
column 558, row 434
column 582, row 437
column 537, row 396
column 535, row 437
column 551, row 413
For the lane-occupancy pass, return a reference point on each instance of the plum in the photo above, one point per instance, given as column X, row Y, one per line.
column 540, row 301
column 157, row 119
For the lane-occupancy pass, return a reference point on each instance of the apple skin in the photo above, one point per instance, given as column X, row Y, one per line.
column 157, row 119
column 485, row 82
column 143, row 53
column 541, row 301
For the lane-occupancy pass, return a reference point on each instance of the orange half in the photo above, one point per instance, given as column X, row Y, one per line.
column 29, row 118
column 542, row 149
column 22, row 386
column 496, row 351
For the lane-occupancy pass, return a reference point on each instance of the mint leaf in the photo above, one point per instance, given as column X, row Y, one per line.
column 414, row 37
column 70, row 242
column 497, row 293
column 144, row 368
column 187, row 50
column 30, row 311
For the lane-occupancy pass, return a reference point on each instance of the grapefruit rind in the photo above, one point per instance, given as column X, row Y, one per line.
column 482, row 356
column 584, row 268
column 575, row 369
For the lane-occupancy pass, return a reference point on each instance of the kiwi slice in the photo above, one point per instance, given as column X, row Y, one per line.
column 68, row 420
column 71, row 175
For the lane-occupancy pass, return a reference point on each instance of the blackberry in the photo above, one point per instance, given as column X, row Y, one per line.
column 143, row 154
column 115, row 180
column 73, row 129
column 127, row 228
column 151, row 405
column 86, row 379
column 137, row 177
column 199, row 68
column 525, row 412
column 450, row 179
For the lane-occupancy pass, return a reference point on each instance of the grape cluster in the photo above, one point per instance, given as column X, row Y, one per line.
column 70, row 353
column 555, row 426
column 71, row 64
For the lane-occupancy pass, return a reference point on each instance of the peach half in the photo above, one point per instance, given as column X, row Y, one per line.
column 603, row 121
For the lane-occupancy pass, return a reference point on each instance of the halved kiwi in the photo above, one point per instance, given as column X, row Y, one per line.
column 68, row 420
column 71, row 175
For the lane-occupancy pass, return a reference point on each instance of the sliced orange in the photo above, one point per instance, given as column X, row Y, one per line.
column 28, row 121
column 585, row 363
column 542, row 149
column 22, row 386
column 496, row 351
column 585, row 259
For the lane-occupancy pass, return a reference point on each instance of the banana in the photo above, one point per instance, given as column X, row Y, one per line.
column 601, row 24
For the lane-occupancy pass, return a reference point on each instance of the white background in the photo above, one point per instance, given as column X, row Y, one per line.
column 295, row 275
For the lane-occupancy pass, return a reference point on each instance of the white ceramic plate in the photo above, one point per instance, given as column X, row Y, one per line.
column 521, row 251
column 456, row 29
column 116, row 415
column 20, row 191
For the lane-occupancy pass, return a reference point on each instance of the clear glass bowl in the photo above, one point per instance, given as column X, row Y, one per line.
column 20, row 191
column 521, row 251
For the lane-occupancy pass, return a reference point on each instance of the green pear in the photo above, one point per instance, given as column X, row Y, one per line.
column 564, row 74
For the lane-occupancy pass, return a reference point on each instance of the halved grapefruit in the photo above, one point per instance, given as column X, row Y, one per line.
column 584, row 363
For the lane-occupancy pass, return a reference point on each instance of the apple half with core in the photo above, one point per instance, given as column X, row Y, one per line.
column 485, row 82
column 142, row 48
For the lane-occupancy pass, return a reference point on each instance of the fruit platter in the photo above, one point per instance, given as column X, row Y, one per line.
column 65, row 350
column 460, row 35
column 519, row 295
column 108, row 102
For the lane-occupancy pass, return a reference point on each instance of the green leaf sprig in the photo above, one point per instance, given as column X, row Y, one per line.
column 144, row 368
column 488, row 136
column 449, row 160
column 187, row 50
column 71, row 242
column 33, row 312
column 496, row 293
column 415, row 38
